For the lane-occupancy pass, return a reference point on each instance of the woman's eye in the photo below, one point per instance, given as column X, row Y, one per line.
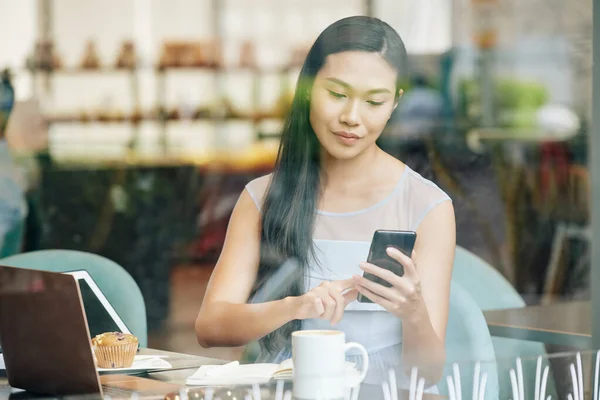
column 336, row 95
column 375, row 103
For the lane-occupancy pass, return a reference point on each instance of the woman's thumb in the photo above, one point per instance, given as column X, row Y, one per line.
column 350, row 296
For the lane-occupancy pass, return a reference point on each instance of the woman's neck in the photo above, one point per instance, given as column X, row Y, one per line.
column 342, row 173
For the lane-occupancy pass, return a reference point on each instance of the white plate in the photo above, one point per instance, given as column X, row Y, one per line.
column 141, row 365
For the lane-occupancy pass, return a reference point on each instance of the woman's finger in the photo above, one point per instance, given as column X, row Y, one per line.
column 410, row 269
column 382, row 273
column 328, row 302
column 318, row 306
column 338, row 311
column 375, row 298
column 385, row 292
column 407, row 288
column 343, row 284
column 350, row 296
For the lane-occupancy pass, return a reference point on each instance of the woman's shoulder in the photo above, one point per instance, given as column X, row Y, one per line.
column 423, row 196
column 422, row 187
column 257, row 188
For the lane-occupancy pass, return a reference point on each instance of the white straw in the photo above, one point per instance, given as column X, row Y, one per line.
column 513, row 381
column 279, row 391
column 393, row 385
column 476, row 382
column 538, row 373
column 386, row 391
column 413, row 384
column 482, row 386
column 596, row 383
column 451, row 390
column 580, row 375
column 574, row 382
column 520, row 379
column 457, row 383
column 544, row 383
column 420, row 389
column 256, row 392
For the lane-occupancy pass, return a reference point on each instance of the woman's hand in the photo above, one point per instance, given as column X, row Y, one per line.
column 403, row 298
column 326, row 301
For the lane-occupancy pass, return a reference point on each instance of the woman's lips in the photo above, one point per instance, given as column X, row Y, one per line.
column 347, row 138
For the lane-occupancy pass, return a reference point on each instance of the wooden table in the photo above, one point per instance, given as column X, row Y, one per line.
column 170, row 384
column 566, row 324
column 154, row 385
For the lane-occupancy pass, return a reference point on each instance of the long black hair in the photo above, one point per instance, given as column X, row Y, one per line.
column 289, row 209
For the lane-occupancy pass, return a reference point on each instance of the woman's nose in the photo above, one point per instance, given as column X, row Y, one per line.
column 350, row 114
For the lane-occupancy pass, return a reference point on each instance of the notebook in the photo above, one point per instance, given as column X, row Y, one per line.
column 235, row 373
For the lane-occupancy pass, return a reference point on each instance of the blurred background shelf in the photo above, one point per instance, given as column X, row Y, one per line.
column 136, row 120
column 158, row 69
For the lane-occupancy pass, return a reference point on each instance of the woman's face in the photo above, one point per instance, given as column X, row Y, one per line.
column 352, row 99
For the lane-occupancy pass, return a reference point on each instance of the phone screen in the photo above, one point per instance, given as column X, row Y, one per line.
column 401, row 240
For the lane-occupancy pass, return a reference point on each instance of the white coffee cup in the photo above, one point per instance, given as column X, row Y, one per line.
column 320, row 371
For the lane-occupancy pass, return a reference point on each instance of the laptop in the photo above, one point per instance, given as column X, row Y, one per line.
column 101, row 315
column 45, row 336
column 44, row 333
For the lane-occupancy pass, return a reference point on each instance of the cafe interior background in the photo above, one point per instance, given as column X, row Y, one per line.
column 139, row 122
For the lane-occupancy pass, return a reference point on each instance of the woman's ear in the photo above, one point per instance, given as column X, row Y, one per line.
column 400, row 93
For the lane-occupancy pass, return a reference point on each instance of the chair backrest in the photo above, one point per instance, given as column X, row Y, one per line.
column 471, row 271
column 468, row 340
column 491, row 291
column 12, row 242
column 114, row 281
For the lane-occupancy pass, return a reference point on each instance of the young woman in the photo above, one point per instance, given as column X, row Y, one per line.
column 292, row 241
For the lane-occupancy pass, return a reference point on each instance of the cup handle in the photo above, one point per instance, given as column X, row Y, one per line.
column 365, row 358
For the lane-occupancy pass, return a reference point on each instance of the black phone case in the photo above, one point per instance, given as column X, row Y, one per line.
column 382, row 239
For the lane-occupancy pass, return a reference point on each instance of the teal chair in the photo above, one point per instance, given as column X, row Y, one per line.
column 115, row 282
column 472, row 272
column 12, row 242
column 491, row 291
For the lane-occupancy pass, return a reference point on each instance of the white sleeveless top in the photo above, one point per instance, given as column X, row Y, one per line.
column 342, row 241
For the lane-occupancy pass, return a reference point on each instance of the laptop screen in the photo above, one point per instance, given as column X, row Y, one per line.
column 101, row 316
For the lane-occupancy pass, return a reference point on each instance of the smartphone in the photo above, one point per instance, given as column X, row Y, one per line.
column 382, row 239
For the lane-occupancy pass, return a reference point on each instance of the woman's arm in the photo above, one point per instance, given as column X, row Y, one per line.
column 225, row 319
column 421, row 296
column 424, row 332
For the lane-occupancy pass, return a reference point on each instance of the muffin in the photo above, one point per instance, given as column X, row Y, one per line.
column 114, row 349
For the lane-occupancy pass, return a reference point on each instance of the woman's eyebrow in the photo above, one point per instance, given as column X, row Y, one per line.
column 348, row 86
